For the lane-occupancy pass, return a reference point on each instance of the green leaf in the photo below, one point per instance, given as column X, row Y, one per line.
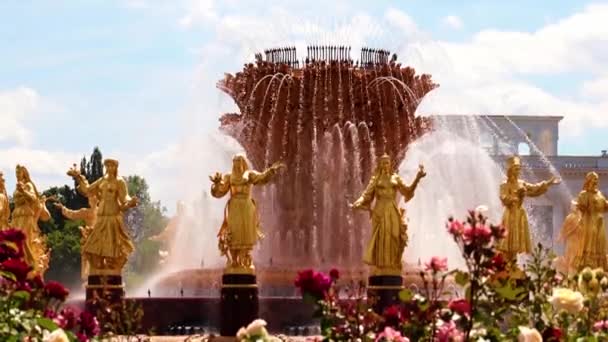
column 406, row 295
column 47, row 324
column 7, row 275
column 21, row 295
column 461, row 278
column 507, row 291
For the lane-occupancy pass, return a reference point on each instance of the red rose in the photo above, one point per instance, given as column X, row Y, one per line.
column 82, row 337
column 13, row 235
column 88, row 324
column 392, row 315
column 69, row 317
column 498, row 262
column 334, row 274
column 460, row 306
column 477, row 233
column 37, row 282
column 17, row 267
column 9, row 250
column 552, row 334
column 313, row 283
column 55, row 290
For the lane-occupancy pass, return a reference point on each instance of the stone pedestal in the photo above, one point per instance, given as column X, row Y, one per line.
column 384, row 290
column 238, row 302
column 108, row 287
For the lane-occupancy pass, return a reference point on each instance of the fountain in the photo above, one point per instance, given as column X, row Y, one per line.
column 327, row 118
column 331, row 116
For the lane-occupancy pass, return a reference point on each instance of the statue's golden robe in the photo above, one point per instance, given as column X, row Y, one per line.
column 515, row 218
column 389, row 230
column 592, row 251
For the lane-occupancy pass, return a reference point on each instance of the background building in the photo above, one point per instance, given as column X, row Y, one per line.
column 535, row 139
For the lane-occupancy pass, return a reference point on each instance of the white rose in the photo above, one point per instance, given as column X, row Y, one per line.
column 56, row 336
column 241, row 334
column 257, row 328
column 529, row 335
column 567, row 300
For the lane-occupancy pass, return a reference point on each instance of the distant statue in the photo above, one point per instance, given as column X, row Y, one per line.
column 5, row 208
column 108, row 246
column 592, row 249
column 30, row 207
column 389, row 229
column 515, row 219
column 89, row 216
column 241, row 227
column 571, row 236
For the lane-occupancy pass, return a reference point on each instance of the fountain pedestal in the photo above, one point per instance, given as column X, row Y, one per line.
column 384, row 291
column 107, row 287
column 239, row 303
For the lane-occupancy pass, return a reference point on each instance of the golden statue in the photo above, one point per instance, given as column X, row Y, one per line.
column 108, row 246
column 571, row 236
column 514, row 219
column 389, row 230
column 591, row 251
column 241, row 227
column 89, row 216
column 30, row 207
column 5, row 208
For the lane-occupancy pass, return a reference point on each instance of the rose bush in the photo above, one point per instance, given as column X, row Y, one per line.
column 30, row 309
column 501, row 300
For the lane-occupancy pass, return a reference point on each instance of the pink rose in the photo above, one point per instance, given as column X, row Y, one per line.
column 390, row 334
column 437, row 264
column 455, row 227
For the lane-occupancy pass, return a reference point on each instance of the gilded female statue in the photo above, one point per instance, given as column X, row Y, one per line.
column 592, row 251
column 108, row 246
column 515, row 219
column 571, row 236
column 389, row 230
column 29, row 209
column 5, row 209
column 241, row 227
column 89, row 216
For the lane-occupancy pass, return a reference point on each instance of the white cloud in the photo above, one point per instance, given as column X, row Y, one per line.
column 47, row 168
column 199, row 11
column 453, row 22
column 597, row 88
column 16, row 106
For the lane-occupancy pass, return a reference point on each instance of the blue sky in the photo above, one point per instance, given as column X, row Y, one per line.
column 137, row 77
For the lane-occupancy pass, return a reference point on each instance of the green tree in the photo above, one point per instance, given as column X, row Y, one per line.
column 63, row 235
column 143, row 221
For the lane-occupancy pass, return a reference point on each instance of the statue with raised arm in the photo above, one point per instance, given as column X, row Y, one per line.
column 89, row 217
column 5, row 209
column 513, row 191
column 592, row 249
column 240, row 230
column 389, row 229
column 30, row 207
column 108, row 245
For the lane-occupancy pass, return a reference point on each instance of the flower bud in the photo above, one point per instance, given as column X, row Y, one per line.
column 604, row 283
column 599, row 273
column 587, row 274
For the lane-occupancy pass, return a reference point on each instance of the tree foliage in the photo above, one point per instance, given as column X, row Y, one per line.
column 63, row 235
